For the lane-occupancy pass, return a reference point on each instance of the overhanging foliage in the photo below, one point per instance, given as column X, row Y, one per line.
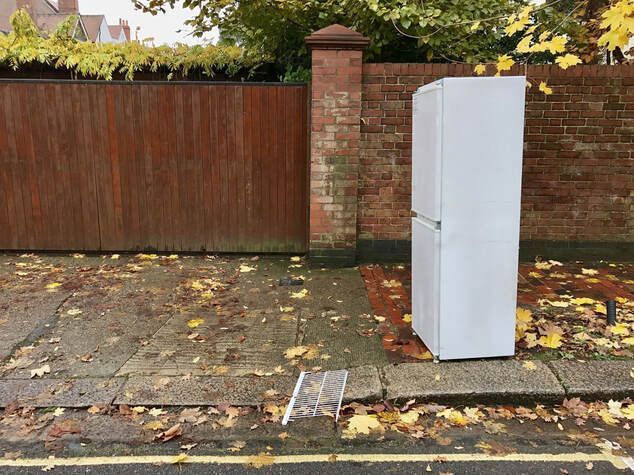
column 25, row 45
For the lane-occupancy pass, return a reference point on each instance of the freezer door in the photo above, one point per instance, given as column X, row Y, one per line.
column 425, row 281
column 426, row 151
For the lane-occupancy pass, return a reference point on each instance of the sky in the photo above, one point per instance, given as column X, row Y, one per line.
column 162, row 27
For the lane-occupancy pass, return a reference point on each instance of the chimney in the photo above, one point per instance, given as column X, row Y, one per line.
column 68, row 6
column 126, row 28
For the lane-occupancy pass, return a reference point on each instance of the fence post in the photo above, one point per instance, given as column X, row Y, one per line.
column 334, row 145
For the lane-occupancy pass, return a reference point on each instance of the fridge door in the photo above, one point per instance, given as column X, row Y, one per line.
column 425, row 275
column 427, row 150
column 482, row 169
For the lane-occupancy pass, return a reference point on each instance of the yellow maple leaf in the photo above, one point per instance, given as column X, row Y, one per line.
column 529, row 365
column 299, row 295
column 524, row 315
column 407, row 318
column 544, row 88
column 557, row 44
column 147, row 257
column 195, row 323
column 504, row 63
column 154, row 425
column 480, row 69
column 536, row 275
column 454, row 416
column 628, row 341
column 409, row 417
column 628, row 412
column 361, row 424
column 295, row 351
column 600, row 308
column 543, row 265
column 618, row 22
column 553, row 340
column 524, row 46
column 52, row 287
column 621, row 329
column 607, row 417
column 530, row 339
column 567, row 60
column 518, row 22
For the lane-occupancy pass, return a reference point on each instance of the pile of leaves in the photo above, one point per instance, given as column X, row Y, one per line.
column 422, row 421
column 575, row 325
column 27, row 45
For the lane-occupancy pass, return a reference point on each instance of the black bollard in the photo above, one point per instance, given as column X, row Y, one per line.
column 610, row 306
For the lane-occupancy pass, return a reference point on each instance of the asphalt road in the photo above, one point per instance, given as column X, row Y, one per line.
column 343, row 468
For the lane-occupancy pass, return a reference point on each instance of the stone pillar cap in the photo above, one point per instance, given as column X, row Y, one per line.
column 337, row 37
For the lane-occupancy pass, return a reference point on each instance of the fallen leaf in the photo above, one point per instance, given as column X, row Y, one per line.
column 495, row 448
column 299, row 295
column 237, row 446
column 407, row 318
column 169, row 434
column 244, row 268
column 74, row 311
column 40, row 372
column 295, row 351
column 529, row 365
column 195, row 323
column 52, row 287
column 155, row 412
column 361, row 424
column 59, row 411
column 154, row 425
column 589, row 271
column 62, row 428
column 552, row 340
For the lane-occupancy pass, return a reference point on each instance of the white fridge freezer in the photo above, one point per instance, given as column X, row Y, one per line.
column 466, row 192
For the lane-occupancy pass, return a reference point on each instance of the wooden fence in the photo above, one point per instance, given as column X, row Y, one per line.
column 153, row 166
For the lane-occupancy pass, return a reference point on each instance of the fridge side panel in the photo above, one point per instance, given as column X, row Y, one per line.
column 426, row 151
column 482, row 169
column 425, row 273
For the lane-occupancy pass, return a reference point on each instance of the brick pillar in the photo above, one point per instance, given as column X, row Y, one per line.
column 334, row 147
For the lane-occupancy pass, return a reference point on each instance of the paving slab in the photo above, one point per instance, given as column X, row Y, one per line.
column 24, row 316
column 596, row 379
column 59, row 392
column 468, row 382
column 364, row 384
column 201, row 390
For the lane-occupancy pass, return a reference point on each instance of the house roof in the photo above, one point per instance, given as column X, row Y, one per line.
column 93, row 23
column 115, row 31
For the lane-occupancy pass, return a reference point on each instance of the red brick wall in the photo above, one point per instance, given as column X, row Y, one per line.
column 578, row 180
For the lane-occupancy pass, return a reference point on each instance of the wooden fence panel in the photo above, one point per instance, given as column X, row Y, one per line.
column 218, row 167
